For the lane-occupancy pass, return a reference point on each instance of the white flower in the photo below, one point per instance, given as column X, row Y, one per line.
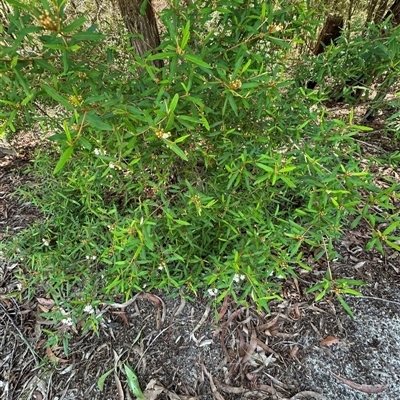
column 88, row 309
column 63, row 312
column 212, row 292
column 166, row 135
column 99, row 152
column 45, row 242
column 238, row 278
column 111, row 165
column 67, row 321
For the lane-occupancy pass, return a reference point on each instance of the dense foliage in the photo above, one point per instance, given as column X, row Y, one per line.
column 219, row 171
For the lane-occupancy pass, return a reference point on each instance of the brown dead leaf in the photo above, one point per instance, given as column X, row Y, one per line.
column 251, row 347
column 53, row 357
column 153, row 389
column 43, row 309
column 230, row 389
column 214, row 389
column 293, row 352
column 153, row 298
column 121, row 395
column 223, row 309
column 47, row 303
column 329, row 341
column 362, row 388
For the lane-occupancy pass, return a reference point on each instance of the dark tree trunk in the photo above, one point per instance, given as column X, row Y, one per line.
column 395, row 11
column 380, row 12
column 144, row 27
column 329, row 34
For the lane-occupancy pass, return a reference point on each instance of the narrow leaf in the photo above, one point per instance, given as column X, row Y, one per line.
column 102, row 379
column 63, row 159
column 133, row 382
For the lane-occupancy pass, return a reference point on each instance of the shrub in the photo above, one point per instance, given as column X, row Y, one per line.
column 215, row 172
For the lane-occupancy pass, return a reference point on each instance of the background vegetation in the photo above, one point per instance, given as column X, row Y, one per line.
column 208, row 164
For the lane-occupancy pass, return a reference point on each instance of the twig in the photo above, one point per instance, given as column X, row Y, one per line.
column 32, row 351
column 378, row 298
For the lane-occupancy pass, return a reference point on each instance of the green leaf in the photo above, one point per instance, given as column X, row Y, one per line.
column 46, row 66
column 63, row 159
column 19, row 5
column 196, row 60
column 102, row 379
column 181, row 222
column 186, row 35
column 265, row 167
column 345, row 305
column 96, row 122
column 133, row 382
column 174, row 103
column 320, row 296
column 143, row 7
column 61, row 100
column 90, row 36
column 74, row 25
column 177, row 150
column 181, row 139
column 279, row 42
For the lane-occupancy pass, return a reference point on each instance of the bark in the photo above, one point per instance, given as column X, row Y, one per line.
column 380, row 12
column 371, row 8
column 394, row 10
column 143, row 27
column 329, row 34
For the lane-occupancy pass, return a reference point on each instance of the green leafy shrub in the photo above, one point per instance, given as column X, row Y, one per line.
column 215, row 172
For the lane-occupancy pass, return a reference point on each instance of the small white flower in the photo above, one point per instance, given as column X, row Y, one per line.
column 111, row 165
column 99, row 152
column 88, row 309
column 67, row 321
column 93, row 257
column 166, row 135
column 45, row 242
column 237, row 278
column 63, row 312
column 212, row 292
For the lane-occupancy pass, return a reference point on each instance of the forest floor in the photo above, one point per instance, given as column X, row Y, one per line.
column 183, row 349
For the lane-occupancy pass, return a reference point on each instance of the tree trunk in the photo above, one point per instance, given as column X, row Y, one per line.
column 395, row 11
column 380, row 12
column 329, row 33
column 142, row 26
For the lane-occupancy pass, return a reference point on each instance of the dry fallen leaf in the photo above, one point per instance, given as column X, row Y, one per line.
column 47, row 303
column 362, row 388
column 294, row 351
column 329, row 341
column 53, row 357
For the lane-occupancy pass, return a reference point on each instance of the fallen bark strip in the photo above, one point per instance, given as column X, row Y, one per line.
column 362, row 388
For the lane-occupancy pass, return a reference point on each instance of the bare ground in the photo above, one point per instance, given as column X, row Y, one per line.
column 182, row 349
